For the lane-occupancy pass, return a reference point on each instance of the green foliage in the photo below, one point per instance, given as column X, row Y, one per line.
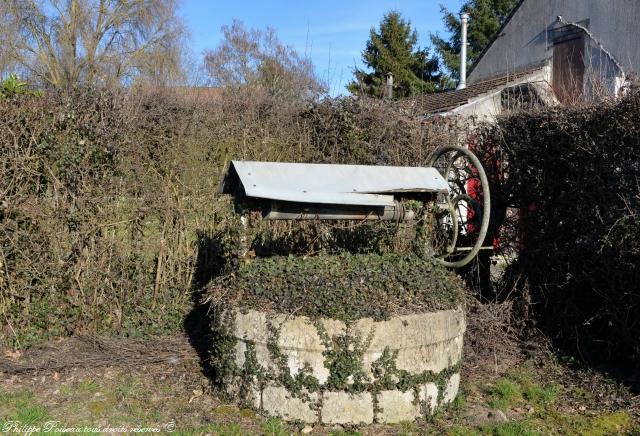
column 275, row 427
column 520, row 386
column 335, row 286
column 505, row 394
column 223, row 346
column 517, row 428
column 12, row 87
column 24, row 410
column 486, row 18
column 610, row 424
column 408, row 428
column 392, row 49
column 231, row 429
column 343, row 357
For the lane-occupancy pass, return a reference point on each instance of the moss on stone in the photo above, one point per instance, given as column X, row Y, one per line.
column 345, row 287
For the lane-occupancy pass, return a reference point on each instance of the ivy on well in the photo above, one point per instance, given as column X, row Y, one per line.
column 336, row 286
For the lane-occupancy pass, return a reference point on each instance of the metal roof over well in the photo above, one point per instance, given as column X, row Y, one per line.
column 361, row 185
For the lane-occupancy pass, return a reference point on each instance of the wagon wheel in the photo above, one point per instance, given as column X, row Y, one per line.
column 463, row 215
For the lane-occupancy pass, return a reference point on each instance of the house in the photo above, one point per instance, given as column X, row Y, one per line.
column 549, row 52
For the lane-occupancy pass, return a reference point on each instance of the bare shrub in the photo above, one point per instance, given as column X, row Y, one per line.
column 258, row 60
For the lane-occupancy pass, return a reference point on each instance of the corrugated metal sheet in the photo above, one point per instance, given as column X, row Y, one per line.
column 335, row 184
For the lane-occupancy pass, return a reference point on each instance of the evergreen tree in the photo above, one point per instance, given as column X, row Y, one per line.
column 486, row 18
column 392, row 49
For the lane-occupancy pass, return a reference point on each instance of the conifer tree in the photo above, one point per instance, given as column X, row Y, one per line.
column 486, row 18
column 392, row 49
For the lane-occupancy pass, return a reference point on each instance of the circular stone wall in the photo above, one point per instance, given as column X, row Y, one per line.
column 331, row 372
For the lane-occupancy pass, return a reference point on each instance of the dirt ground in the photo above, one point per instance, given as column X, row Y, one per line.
column 86, row 384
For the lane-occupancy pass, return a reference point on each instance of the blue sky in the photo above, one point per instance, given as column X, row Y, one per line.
column 332, row 32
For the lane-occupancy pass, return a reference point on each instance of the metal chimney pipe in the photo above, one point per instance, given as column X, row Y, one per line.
column 464, row 17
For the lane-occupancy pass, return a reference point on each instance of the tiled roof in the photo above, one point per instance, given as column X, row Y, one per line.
column 447, row 100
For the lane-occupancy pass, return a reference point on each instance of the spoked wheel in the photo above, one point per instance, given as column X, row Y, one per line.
column 462, row 216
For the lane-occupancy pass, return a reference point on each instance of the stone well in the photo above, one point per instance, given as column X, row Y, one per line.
column 331, row 372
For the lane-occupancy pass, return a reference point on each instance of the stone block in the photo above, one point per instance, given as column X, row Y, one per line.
column 240, row 349
column 299, row 333
column 298, row 359
column 430, row 357
column 263, row 355
column 277, row 401
column 451, row 390
column 368, row 359
column 425, row 342
column 254, row 396
column 251, row 325
column 396, row 406
column 429, row 395
column 334, row 327
column 412, row 331
column 249, row 394
column 345, row 408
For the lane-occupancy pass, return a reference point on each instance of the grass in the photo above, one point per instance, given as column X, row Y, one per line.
column 519, row 387
column 505, row 394
column 31, row 415
column 126, row 387
column 517, row 428
column 544, row 395
column 605, row 424
column 89, row 386
column 609, row 423
column 407, row 428
column 141, row 398
column 19, row 410
column 533, row 408
column 232, row 429
column 275, row 427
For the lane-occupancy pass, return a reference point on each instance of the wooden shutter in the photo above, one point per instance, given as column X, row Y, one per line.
column 568, row 69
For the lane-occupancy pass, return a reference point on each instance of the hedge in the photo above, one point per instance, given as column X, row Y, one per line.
column 573, row 175
column 107, row 197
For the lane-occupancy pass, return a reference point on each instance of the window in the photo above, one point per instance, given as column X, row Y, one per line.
column 523, row 96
